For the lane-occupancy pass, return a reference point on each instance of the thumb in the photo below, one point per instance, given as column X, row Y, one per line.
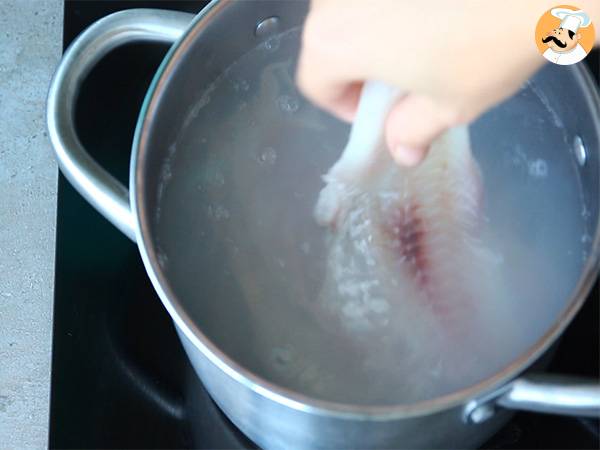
column 412, row 125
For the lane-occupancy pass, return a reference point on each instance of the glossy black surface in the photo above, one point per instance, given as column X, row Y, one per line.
column 120, row 378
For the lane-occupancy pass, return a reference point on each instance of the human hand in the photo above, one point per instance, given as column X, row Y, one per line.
column 454, row 60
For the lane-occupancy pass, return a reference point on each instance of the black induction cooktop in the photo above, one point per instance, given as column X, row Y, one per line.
column 120, row 378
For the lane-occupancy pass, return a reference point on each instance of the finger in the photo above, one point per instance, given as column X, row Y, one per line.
column 345, row 104
column 412, row 125
column 337, row 96
column 327, row 69
column 341, row 100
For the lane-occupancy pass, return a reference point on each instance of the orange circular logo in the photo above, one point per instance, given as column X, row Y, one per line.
column 565, row 35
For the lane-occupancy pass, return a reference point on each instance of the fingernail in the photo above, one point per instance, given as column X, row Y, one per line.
column 407, row 156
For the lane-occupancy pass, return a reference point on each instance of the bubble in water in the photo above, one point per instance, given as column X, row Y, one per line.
column 233, row 247
column 538, row 168
column 272, row 44
column 267, row 156
column 288, row 104
column 218, row 212
column 241, row 86
column 518, row 157
column 305, row 248
column 164, row 177
column 281, row 357
column 585, row 213
column 216, row 179
column 221, row 213
column 157, row 214
column 166, row 174
column 204, row 100
column 203, row 140
column 281, row 262
column 586, row 239
column 219, row 179
column 163, row 260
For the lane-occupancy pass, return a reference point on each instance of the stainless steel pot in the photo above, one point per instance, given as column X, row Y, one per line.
column 269, row 414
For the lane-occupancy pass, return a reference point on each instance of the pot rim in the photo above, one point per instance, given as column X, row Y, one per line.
column 272, row 391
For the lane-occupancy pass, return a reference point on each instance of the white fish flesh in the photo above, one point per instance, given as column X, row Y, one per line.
column 406, row 269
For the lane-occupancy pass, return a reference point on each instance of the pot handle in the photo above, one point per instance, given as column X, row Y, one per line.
column 544, row 393
column 94, row 183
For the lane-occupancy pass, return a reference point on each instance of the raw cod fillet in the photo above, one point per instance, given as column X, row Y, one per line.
column 406, row 267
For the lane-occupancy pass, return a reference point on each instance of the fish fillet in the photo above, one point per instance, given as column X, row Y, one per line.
column 406, row 268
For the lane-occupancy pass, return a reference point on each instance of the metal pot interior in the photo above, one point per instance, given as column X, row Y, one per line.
column 231, row 168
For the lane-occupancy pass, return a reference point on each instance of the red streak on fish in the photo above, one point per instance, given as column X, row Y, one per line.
column 407, row 232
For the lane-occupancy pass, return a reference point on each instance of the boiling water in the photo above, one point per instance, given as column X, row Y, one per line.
column 242, row 251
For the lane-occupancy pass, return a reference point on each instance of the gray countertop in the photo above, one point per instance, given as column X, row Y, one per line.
column 30, row 48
